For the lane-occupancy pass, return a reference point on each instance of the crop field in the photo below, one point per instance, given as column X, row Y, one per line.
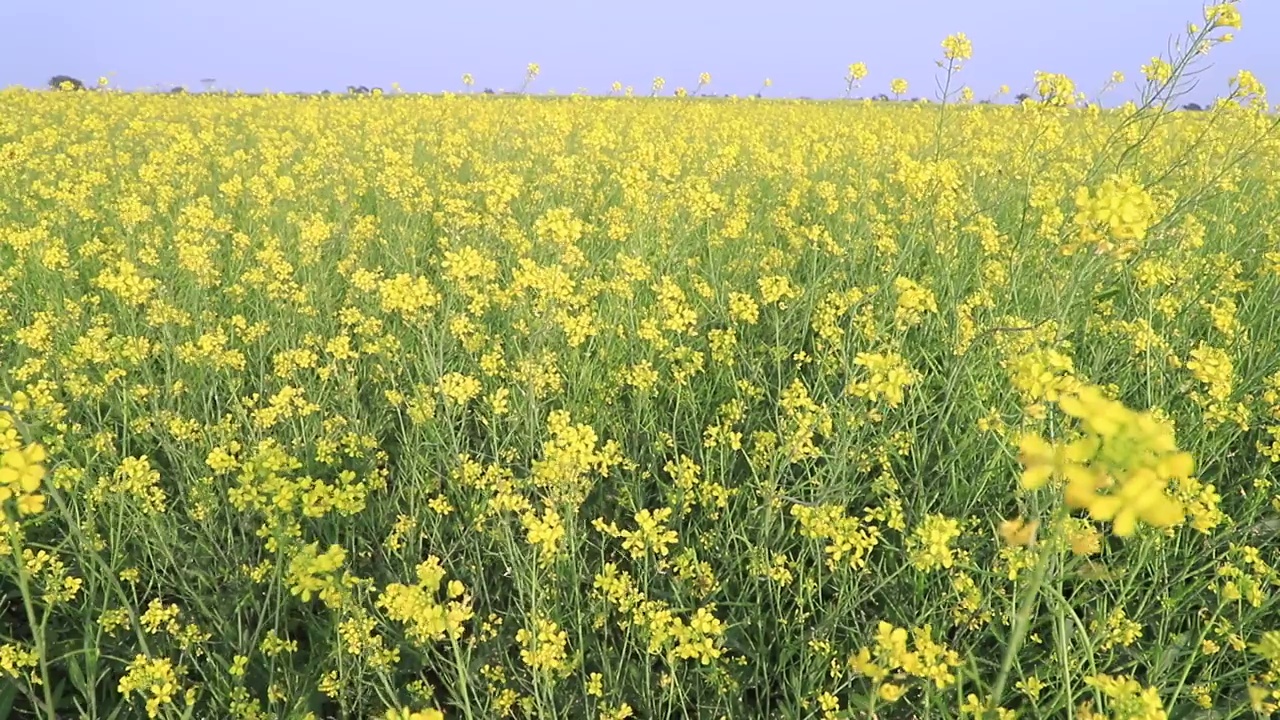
column 480, row 407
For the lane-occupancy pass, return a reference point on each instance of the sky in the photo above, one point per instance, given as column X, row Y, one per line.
column 804, row 46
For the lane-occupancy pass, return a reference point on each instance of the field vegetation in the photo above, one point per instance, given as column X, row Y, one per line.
column 466, row 407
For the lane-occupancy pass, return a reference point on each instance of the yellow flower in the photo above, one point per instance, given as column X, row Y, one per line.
column 957, row 47
column 1246, row 84
column 458, row 389
column 890, row 693
column 21, row 474
column 545, row 648
column 887, row 377
column 428, row 618
column 651, row 534
column 743, row 308
column 22, row 470
column 406, row 714
column 312, row 572
column 156, row 681
column 621, row 712
column 1158, row 71
column 1032, row 686
column 1055, row 88
column 1118, row 630
column 1119, row 471
column 1143, row 498
column 1222, row 15
column 930, row 544
column 1121, row 691
column 1040, row 461
column 1018, row 532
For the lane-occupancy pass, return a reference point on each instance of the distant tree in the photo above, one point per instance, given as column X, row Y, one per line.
column 1021, row 97
column 61, row 82
column 488, row 91
column 325, row 92
column 179, row 90
column 1193, row 107
column 881, row 97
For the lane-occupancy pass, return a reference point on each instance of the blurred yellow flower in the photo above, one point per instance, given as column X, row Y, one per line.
column 957, row 47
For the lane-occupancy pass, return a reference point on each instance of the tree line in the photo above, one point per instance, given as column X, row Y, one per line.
column 66, row 82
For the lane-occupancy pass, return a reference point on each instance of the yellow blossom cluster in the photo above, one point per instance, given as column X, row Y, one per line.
column 419, row 609
column 21, row 474
column 911, row 653
column 1116, row 216
column 1126, row 699
column 155, row 680
column 664, row 633
column 1121, row 468
column 849, row 539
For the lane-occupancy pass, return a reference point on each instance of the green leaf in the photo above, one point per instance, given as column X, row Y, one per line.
column 7, row 696
column 77, row 678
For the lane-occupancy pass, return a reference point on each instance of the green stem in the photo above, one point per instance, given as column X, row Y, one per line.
column 462, row 670
column 1021, row 623
column 37, row 634
column 942, row 111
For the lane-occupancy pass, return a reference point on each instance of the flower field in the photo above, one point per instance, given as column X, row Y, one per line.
column 477, row 407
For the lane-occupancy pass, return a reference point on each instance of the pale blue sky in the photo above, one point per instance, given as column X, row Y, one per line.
column 803, row 46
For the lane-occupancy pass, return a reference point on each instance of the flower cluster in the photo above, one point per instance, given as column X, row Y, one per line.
column 850, row 539
column 419, row 609
column 1119, row 470
column 915, row 654
column 21, row 474
column 1116, row 216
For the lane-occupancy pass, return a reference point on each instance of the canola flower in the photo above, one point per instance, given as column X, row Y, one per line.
column 21, row 474
column 1119, row 471
column 853, row 78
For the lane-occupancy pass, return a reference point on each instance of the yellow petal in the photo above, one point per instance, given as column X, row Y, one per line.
column 1104, row 508
column 1125, row 523
column 1165, row 513
column 1034, row 478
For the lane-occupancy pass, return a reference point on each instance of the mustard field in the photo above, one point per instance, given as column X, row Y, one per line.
column 466, row 406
